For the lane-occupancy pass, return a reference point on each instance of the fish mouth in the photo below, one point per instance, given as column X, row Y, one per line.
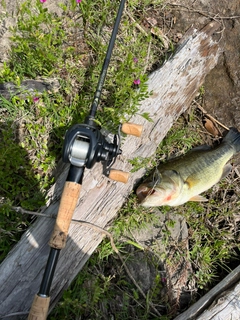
column 144, row 191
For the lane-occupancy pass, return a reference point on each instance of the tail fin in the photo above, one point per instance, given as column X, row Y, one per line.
column 233, row 138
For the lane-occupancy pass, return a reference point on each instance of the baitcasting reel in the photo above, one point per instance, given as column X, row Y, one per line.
column 84, row 145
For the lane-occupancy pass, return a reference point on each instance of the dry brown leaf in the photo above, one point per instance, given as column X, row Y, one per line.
column 152, row 21
column 211, row 127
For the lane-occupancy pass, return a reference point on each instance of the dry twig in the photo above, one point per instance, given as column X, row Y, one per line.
column 210, row 15
column 136, row 24
column 209, row 116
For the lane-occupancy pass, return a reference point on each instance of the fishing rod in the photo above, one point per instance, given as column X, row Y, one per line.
column 84, row 145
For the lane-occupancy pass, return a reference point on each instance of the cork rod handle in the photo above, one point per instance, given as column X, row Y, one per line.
column 39, row 308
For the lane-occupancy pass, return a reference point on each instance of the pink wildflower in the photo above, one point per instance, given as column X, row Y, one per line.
column 35, row 99
column 136, row 81
column 78, row 1
column 164, row 280
column 42, row 1
column 135, row 60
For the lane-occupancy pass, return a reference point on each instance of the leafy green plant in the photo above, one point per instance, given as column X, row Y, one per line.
column 18, row 187
column 94, row 293
column 38, row 40
column 210, row 245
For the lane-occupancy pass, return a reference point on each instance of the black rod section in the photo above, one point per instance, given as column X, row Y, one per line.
column 75, row 174
column 106, row 62
column 49, row 273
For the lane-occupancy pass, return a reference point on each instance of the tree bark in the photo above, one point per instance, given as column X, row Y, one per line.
column 172, row 87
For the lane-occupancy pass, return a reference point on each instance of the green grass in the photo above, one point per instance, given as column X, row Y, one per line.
column 70, row 50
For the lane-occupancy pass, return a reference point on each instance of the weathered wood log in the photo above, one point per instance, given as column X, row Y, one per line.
column 222, row 301
column 173, row 88
column 226, row 307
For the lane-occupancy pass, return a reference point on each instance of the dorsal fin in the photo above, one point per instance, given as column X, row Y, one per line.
column 204, row 147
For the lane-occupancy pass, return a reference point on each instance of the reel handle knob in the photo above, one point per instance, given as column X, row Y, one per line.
column 132, row 129
column 118, row 175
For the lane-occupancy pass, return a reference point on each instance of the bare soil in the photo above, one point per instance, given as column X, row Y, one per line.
column 222, row 85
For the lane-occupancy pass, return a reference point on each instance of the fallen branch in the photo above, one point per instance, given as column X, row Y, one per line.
column 210, row 15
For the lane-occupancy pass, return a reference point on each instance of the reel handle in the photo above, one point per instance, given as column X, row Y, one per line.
column 132, row 129
column 118, row 175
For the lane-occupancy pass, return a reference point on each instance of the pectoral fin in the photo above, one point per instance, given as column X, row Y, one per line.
column 191, row 181
column 198, row 198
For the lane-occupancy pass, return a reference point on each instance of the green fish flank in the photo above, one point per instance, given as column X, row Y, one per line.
column 185, row 178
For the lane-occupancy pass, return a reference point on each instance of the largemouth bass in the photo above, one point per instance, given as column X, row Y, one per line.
column 185, row 178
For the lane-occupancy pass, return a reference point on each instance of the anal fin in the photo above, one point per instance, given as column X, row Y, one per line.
column 226, row 170
column 198, row 198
